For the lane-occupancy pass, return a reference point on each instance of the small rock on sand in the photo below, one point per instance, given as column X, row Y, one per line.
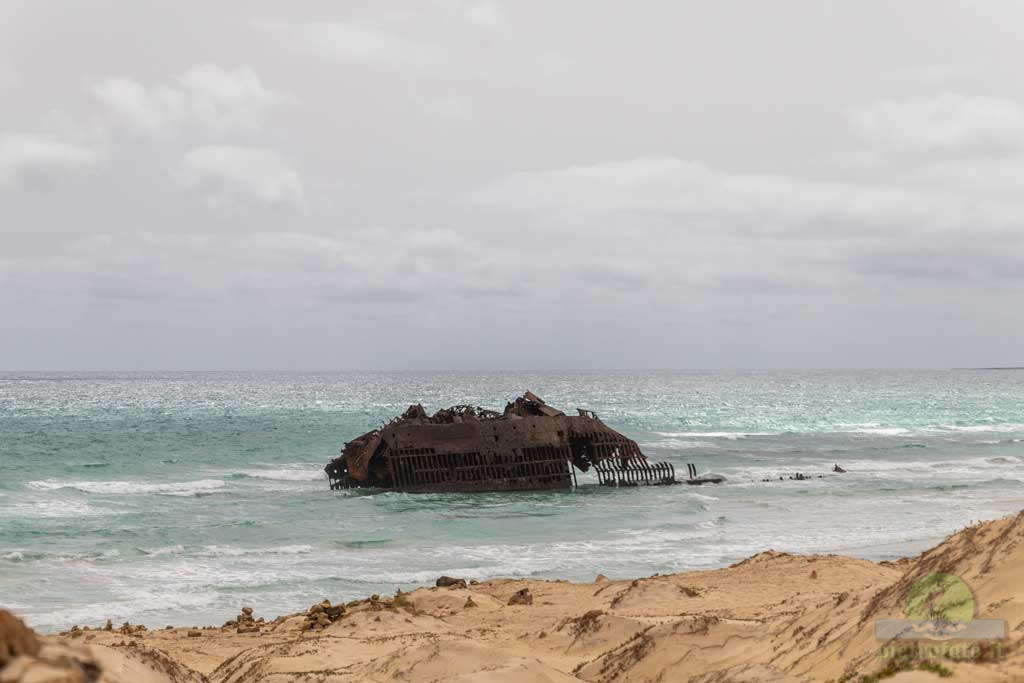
column 450, row 582
column 194, row 633
column 521, row 597
column 601, row 578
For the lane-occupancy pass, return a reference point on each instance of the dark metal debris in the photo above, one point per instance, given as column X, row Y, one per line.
column 528, row 446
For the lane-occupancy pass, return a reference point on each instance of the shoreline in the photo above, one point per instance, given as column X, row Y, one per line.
column 773, row 616
column 868, row 553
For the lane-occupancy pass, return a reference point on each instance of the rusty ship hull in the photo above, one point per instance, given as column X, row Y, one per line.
column 529, row 447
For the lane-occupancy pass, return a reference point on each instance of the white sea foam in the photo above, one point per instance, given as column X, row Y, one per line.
column 133, row 607
column 51, row 509
column 288, row 474
column 184, row 488
column 1005, row 427
column 228, row 551
column 680, row 444
column 231, row 551
column 22, row 555
column 715, row 435
column 881, row 431
column 873, row 428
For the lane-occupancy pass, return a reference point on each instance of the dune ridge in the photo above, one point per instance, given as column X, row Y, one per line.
column 771, row 617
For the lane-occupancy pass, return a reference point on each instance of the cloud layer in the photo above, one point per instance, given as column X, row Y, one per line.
column 472, row 184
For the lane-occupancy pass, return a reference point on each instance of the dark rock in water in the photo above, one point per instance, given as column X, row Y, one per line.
column 450, row 582
column 247, row 611
column 521, row 597
column 709, row 478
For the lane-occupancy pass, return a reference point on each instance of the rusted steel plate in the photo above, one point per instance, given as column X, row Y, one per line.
column 530, row 446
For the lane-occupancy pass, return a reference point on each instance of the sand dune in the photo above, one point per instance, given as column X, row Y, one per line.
column 772, row 617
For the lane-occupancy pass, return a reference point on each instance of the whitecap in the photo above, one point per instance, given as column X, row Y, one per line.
column 1006, row 427
column 881, row 431
column 701, row 496
column 51, row 509
column 716, row 435
column 680, row 444
column 211, row 551
column 288, row 474
column 185, row 488
column 232, row 551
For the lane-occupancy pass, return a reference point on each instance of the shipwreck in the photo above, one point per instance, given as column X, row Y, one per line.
column 529, row 446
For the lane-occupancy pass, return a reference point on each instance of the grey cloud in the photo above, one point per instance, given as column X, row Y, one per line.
column 607, row 276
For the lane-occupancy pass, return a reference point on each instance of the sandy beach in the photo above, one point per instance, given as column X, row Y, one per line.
column 772, row 617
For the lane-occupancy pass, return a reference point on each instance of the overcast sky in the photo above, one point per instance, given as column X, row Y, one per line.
column 511, row 185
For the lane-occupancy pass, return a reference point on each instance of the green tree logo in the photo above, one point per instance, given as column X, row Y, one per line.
column 941, row 598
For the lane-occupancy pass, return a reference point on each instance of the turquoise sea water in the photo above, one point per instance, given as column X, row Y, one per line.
column 174, row 498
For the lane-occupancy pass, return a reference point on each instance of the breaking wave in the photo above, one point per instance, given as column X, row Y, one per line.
column 285, row 474
column 185, row 488
column 226, row 551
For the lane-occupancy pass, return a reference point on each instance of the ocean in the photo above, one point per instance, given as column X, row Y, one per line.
column 175, row 498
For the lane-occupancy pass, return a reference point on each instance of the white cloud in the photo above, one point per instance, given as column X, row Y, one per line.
column 207, row 95
column 347, row 42
column 226, row 174
column 485, row 14
column 37, row 160
column 947, row 125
